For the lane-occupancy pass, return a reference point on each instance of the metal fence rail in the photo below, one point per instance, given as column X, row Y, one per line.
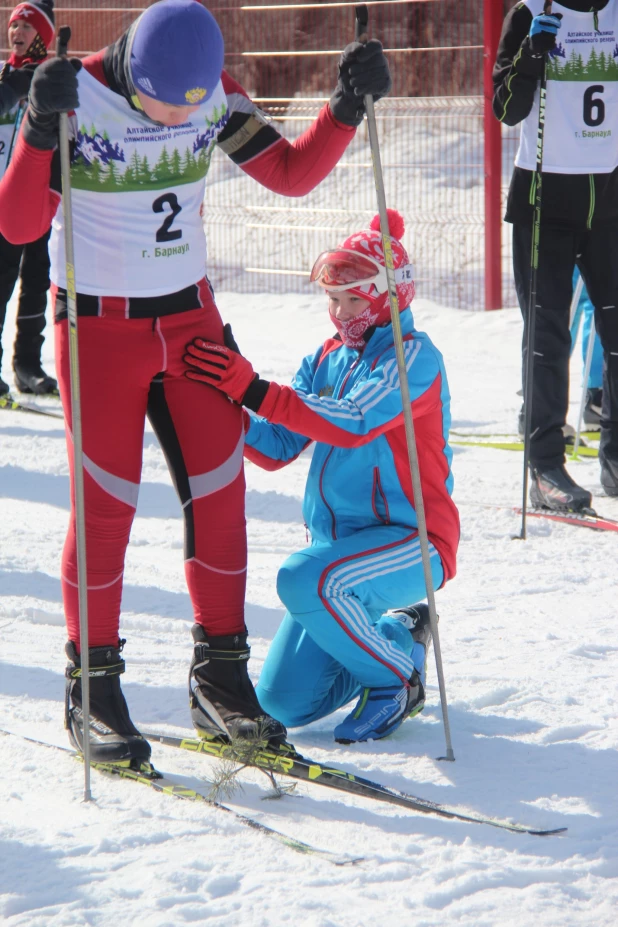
column 259, row 242
column 431, row 130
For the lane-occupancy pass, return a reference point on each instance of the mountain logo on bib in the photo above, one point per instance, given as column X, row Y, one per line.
column 571, row 66
column 148, row 159
column 93, row 147
column 206, row 139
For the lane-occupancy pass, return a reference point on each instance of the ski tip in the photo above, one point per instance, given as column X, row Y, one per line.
column 548, row 833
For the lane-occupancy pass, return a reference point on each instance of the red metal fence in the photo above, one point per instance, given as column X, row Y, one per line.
column 434, row 150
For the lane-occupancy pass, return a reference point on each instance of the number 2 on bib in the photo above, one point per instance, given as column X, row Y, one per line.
column 163, row 232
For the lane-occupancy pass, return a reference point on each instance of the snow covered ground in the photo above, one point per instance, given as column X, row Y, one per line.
column 530, row 645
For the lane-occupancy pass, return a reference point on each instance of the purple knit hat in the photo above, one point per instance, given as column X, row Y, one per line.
column 177, row 52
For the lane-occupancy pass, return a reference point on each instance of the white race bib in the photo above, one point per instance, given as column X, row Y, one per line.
column 581, row 112
column 137, row 191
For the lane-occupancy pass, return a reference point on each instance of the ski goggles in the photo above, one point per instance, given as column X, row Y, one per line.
column 342, row 270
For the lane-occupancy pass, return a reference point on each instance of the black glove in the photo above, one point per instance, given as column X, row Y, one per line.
column 543, row 31
column 53, row 91
column 14, row 87
column 362, row 69
column 18, row 81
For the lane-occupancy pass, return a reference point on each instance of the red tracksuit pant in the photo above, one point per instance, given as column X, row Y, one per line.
column 130, row 368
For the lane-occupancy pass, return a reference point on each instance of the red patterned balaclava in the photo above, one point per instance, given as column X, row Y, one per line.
column 369, row 242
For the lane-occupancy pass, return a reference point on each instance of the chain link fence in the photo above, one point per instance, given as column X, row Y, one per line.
column 430, row 127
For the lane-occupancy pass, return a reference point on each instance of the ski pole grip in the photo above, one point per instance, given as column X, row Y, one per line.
column 362, row 23
column 62, row 45
column 547, row 7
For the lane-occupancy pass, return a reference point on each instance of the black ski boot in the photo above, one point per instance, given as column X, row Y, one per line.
column 113, row 736
column 5, row 389
column 592, row 409
column 609, row 476
column 221, row 696
column 31, row 378
column 554, row 489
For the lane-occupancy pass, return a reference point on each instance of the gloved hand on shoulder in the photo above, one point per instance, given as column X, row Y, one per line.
column 53, row 91
column 363, row 69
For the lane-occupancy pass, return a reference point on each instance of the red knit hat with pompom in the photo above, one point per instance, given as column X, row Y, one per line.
column 369, row 242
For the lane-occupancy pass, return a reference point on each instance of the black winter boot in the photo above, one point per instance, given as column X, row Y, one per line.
column 31, row 378
column 113, row 736
column 221, row 696
column 554, row 489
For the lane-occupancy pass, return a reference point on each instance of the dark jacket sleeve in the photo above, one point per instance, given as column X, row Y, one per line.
column 516, row 71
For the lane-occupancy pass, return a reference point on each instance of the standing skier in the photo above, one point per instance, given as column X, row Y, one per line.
column 579, row 219
column 148, row 111
column 31, row 32
column 336, row 642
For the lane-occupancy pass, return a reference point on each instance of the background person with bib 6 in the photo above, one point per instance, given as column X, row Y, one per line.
column 579, row 218
column 148, row 111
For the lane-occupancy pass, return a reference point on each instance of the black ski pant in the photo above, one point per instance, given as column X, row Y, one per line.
column 595, row 252
column 31, row 263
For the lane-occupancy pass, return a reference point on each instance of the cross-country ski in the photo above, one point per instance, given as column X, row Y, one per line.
column 589, row 519
column 304, row 769
column 10, row 404
column 193, row 791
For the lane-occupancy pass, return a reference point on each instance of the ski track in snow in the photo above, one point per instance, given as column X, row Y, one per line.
column 530, row 647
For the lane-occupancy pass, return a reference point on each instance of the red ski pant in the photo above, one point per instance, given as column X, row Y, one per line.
column 130, row 368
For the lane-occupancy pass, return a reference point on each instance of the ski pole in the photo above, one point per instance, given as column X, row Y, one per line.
column 64, row 34
column 362, row 20
column 534, row 266
column 588, row 364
